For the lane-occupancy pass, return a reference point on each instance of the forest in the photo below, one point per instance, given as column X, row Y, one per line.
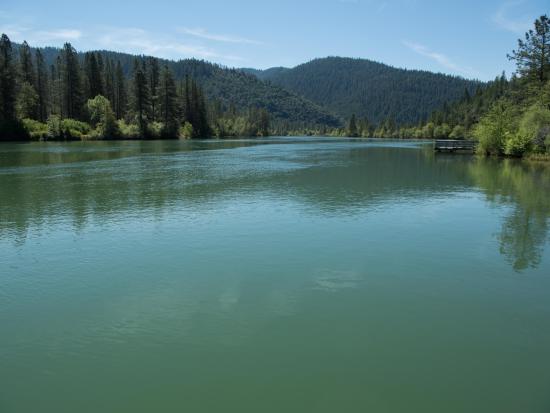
column 508, row 117
column 51, row 94
column 60, row 94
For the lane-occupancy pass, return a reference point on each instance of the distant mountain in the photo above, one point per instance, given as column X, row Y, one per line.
column 232, row 87
column 369, row 89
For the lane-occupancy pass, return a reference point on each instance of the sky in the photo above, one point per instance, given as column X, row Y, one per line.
column 463, row 37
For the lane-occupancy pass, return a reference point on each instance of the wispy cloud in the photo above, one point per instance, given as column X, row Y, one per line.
column 516, row 25
column 59, row 34
column 135, row 40
column 225, row 38
column 18, row 33
column 441, row 59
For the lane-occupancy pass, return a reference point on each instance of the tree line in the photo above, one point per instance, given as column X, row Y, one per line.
column 91, row 97
column 509, row 117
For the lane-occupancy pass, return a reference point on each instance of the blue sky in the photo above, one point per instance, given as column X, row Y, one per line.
column 462, row 37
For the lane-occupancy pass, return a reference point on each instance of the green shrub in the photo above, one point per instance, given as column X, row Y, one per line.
column 186, row 131
column 495, row 128
column 36, row 130
column 103, row 118
column 74, row 129
column 535, row 126
column 128, row 130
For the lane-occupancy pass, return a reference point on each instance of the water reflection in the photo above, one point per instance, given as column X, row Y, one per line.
column 525, row 187
column 85, row 185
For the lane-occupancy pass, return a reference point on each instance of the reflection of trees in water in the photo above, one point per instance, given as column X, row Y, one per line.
column 526, row 188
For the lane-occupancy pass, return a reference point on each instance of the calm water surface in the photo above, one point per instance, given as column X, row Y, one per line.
column 275, row 275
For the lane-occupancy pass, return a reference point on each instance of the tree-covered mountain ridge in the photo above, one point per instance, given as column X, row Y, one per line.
column 369, row 89
column 229, row 87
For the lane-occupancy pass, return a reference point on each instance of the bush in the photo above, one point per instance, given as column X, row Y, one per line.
column 74, row 129
column 496, row 128
column 103, row 118
column 36, row 130
column 186, row 131
column 534, row 126
column 128, row 130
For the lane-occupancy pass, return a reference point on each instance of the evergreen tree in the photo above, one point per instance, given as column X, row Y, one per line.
column 141, row 97
column 109, row 81
column 27, row 102
column 168, row 103
column 93, row 75
column 41, row 86
column 533, row 54
column 71, row 84
column 352, row 127
column 7, row 81
column 153, row 74
column 25, row 64
column 120, row 97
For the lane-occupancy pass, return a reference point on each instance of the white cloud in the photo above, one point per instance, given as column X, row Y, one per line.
column 18, row 33
column 226, row 38
column 134, row 40
column 441, row 59
column 518, row 25
column 59, row 34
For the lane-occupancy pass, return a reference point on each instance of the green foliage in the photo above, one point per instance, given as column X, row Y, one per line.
column 67, row 129
column 534, row 126
column 186, row 131
column 27, row 101
column 533, row 53
column 103, row 118
column 496, row 128
column 128, row 130
column 370, row 89
column 36, row 130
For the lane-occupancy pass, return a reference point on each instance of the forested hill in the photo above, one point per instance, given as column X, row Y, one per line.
column 232, row 87
column 369, row 89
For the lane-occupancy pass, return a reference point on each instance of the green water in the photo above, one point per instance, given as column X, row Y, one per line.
column 275, row 275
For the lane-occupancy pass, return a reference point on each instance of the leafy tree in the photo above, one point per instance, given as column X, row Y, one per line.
column 496, row 127
column 102, row 117
column 533, row 53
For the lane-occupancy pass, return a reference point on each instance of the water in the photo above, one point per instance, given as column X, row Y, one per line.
column 274, row 275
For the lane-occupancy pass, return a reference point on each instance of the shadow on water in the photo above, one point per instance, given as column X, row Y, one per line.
column 525, row 187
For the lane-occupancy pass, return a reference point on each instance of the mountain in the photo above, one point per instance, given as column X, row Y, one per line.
column 369, row 89
column 232, row 87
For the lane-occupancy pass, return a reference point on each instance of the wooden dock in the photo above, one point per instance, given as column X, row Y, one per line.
column 450, row 145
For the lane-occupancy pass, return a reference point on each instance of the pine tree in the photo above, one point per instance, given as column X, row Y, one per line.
column 153, row 78
column 120, row 98
column 93, row 75
column 168, row 103
column 352, row 126
column 533, row 54
column 42, row 86
column 71, row 84
column 7, row 81
column 108, row 76
column 25, row 64
column 141, row 97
